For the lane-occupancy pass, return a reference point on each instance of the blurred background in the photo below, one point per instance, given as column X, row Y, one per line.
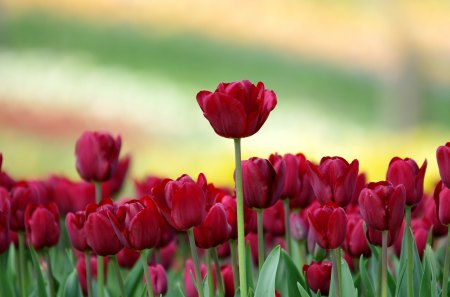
column 361, row 79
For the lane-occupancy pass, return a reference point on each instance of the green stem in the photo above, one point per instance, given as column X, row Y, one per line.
column 287, row 225
column 119, row 276
column 301, row 251
column 261, row 255
column 87, row 257
column 98, row 191
column 384, row 263
column 218, row 273
column 100, row 276
column 210, row 273
column 446, row 266
column 51, row 282
column 240, row 219
column 234, row 263
column 409, row 243
column 198, row 275
column 337, row 271
column 147, row 274
column 22, row 263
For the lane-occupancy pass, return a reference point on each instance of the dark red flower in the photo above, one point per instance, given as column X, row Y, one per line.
column 5, row 216
column 442, row 200
column 158, row 277
column 262, row 184
column 299, row 230
column 112, row 186
column 6, row 181
column 237, row 109
column 228, row 280
column 382, row 206
column 214, row 230
column 333, row 180
column 305, row 195
column 420, row 229
column 329, row 225
column 374, row 236
column 189, row 270
column 100, row 235
column 144, row 187
column 137, row 224
column 292, row 181
column 42, row 225
column 75, row 228
column 81, row 271
column 166, row 255
column 20, row 197
column 318, row 276
column 182, row 202
column 127, row 257
column 443, row 160
column 355, row 241
column 360, row 184
column 406, row 172
column 230, row 206
column 97, row 156
column 273, row 219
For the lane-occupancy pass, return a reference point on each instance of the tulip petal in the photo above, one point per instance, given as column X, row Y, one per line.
column 372, row 209
column 187, row 207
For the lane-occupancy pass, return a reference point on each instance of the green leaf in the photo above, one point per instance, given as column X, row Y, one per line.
column 428, row 285
column 41, row 292
column 72, row 287
column 348, row 286
column 287, row 277
column 134, row 278
column 366, row 281
column 6, row 283
column 266, row 280
column 302, row 291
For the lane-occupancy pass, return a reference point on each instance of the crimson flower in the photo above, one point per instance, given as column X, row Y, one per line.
column 237, row 109
column 420, row 229
column 442, row 199
column 230, row 206
column 443, row 160
column 228, row 280
column 144, row 187
column 112, row 186
column 355, row 242
column 42, row 225
column 273, row 219
column 374, row 236
column 158, row 277
column 318, row 276
column 305, row 195
column 292, row 182
column 406, row 172
column 97, row 156
column 127, row 257
column 333, row 180
column 214, row 230
column 189, row 286
column 75, row 228
column 5, row 215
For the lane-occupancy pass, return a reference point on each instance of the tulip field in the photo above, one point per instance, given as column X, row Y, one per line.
column 289, row 227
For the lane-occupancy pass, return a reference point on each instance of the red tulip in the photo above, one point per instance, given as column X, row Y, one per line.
column 182, row 202
column 237, row 109
column 137, row 224
column 75, row 228
column 97, row 156
column 144, row 187
column 127, row 257
column 305, row 195
column 382, row 206
column 230, row 206
column 228, row 280
column 189, row 286
column 166, row 255
column 420, row 229
column 262, row 185
column 374, row 236
column 292, row 181
column 360, row 184
column 333, row 180
column 429, row 213
column 443, row 160
column 329, row 225
column 42, row 225
column 112, row 186
column 5, row 216
column 355, row 241
column 158, row 277
column 100, row 235
column 318, row 276
column 406, row 172
column 214, row 230
column 81, row 271
column 442, row 199
column 273, row 219
column 6, row 181
column 299, row 230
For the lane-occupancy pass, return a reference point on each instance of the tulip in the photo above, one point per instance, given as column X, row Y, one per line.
column 214, row 230
column 6, row 181
column 158, row 278
column 442, row 200
column 81, row 271
column 329, row 225
column 360, row 184
column 406, row 172
column 318, row 276
column 274, row 219
column 382, row 206
column 137, row 224
column 113, row 186
column 262, row 185
column 5, row 215
column 42, row 225
column 237, row 109
column 166, row 255
column 374, row 236
column 97, row 156
column 127, row 257
column 292, row 181
column 144, row 187
column 20, row 197
column 75, row 228
column 420, row 229
column 333, row 180
column 182, row 202
column 228, row 279
column 229, row 204
column 443, row 160
column 188, row 275
column 100, row 235
column 298, row 226
column 305, row 195
column 355, row 242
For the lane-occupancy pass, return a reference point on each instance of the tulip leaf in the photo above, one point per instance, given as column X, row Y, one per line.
column 287, row 271
column 134, row 278
column 6, row 283
column 348, row 285
column 366, row 281
column 41, row 292
column 302, row 291
column 428, row 285
column 72, row 286
column 266, row 280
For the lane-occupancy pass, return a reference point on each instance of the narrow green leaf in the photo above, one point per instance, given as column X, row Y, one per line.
column 348, row 286
column 72, row 286
column 266, row 280
column 287, row 277
column 134, row 278
column 366, row 281
column 41, row 292
column 302, row 291
column 428, row 286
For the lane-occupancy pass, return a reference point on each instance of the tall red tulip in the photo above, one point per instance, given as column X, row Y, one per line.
column 382, row 206
column 5, row 216
column 183, row 202
column 262, row 185
column 442, row 199
column 97, row 156
column 237, row 109
column 406, row 172
column 75, row 228
column 318, row 276
column 214, row 230
column 443, row 160
column 42, row 225
column 329, row 225
column 333, row 180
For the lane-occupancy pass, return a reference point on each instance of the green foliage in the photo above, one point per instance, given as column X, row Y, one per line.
column 266, row 280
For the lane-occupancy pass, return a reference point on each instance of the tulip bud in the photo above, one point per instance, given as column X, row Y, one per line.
column 333, row 180
column 113, row 186
column 355, row 241
column 189, row 276
column 230, row 206
column 374, row 236
column 329, row 225
column 42, row 225
column 144, row 187
column 406, row 172
column 5, row 216
column 158, row 278
column 75, row 228
column 237, row 109
column 442, row 199
column 262, row 184
column 292, row 181
column 443, row 160
column 273, row 219
column 228, row 280
column 214, row 230
column 318, row 276
column 20, row 197
column 97, row 156
column 127, row 257
column 305, row 195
